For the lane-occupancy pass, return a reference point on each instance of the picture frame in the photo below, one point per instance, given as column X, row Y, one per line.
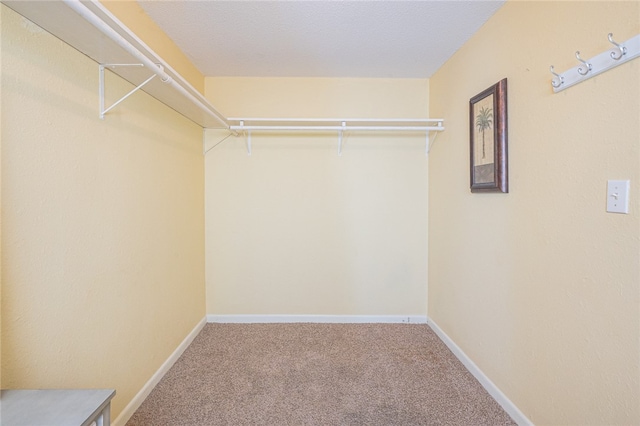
column 488, row 134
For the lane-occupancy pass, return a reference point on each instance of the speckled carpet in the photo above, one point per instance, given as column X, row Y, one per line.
column 318, row 374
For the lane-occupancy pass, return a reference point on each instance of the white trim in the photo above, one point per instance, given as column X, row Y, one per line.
column 490, row 387
column 342, row 319
column 137, row 400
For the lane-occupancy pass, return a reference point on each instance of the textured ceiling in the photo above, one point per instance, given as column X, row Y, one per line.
column 394, row 39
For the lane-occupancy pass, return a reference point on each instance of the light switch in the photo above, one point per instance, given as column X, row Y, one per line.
column 618, row 196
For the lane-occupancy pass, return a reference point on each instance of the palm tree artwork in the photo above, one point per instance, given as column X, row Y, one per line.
column 484, row 121
column 488, row 121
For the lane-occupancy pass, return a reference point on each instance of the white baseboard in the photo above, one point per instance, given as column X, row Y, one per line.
column 336, row 319
column 490, row 387
column 137, row 400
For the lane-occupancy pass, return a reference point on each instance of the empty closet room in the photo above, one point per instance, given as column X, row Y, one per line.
column 123, row 236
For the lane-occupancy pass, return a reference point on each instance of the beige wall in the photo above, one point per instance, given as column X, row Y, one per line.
column 102, row 223
column 136, row 19
column 540, row 287
column 295, row 229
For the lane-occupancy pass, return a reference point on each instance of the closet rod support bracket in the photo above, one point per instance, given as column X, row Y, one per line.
column 430, row 141
column 340, row 134
column 101, row 88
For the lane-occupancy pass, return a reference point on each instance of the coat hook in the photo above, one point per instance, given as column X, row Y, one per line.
column 559, row 82
column 622, row 49
column 586, row 70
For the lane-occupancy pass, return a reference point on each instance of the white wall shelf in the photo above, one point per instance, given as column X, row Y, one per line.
column 94, row 31
column 339, row 125
column 91, row 29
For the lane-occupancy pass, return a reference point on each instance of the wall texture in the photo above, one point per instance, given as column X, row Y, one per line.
column 540, row 287
column 102, row 223
column 295, row 229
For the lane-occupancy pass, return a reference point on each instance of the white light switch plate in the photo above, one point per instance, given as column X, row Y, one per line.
column 618, row 196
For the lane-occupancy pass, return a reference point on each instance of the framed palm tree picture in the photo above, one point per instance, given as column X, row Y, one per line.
column 488, row 139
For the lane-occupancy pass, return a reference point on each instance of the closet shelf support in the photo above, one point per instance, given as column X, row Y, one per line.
column 340, row 134
column 101, row 89
column 430, row 143
column 124, row 38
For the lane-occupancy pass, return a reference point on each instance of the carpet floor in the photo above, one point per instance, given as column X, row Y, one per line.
column 318, row 374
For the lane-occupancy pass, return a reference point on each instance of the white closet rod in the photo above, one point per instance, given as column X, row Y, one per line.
column 335, row 120
column 340, row 128
column 337, row 124
column 94, row 20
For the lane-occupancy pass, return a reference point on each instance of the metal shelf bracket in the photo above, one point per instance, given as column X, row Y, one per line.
column 102, row 67
column 429, row 142
column 344, row 125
